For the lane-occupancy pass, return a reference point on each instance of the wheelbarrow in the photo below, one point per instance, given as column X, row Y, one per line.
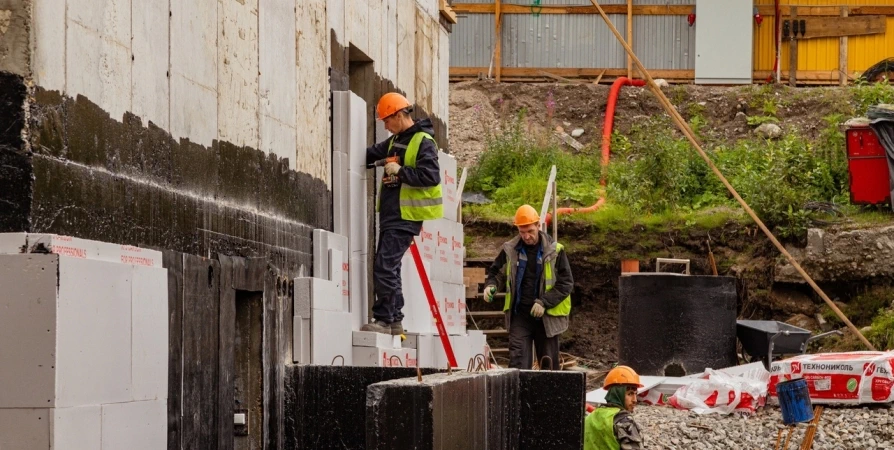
column 764, row 339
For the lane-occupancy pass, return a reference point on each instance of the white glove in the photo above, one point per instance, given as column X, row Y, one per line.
column 538, row 309
column 392, row 168
column 489, row 292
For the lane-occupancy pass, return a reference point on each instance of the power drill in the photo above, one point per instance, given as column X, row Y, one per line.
column 389, row 180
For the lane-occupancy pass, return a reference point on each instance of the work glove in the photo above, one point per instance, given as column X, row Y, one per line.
column 489, row 292
column 392, row 168
column 538, row 309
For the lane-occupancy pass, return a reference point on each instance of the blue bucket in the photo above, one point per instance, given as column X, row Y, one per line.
column 794, row 401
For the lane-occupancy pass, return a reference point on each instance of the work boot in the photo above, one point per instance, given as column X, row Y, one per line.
column 397, row 328
column 377, row 327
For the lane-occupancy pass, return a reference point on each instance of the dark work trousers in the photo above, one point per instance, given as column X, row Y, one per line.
column 393, row 244
column 525, row 330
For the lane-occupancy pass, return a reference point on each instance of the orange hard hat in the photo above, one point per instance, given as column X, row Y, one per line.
column 389, row 104
column 621, row 375
column 526, row 215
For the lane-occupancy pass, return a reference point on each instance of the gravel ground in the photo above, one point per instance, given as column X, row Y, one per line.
column 839, row 428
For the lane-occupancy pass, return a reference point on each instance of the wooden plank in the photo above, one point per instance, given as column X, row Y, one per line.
column 173, row 261
column 486, row 314
column 842, row 54
column 629, row 37
column 819, row 27
column 227, row 351
column 446, row 11
column 646, row 10
column 498, row 44
column 793, row 52
column 201, row 286
column 599, row 78
column 475, row 274
column 496, row 332
column 566, row 138
column 534, row 72
column 829, row 11
column 558, row 78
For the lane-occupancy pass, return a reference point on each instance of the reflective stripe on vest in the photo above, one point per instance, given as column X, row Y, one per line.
column 548, row 282
column 417, row 203
column 599, row 429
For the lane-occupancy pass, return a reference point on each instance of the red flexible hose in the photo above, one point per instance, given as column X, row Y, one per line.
column 606, row 142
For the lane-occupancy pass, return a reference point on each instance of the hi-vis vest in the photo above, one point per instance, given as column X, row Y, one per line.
column 417, row 203
column 599, row 429
column 546, row 283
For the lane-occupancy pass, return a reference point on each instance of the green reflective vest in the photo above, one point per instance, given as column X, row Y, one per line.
column 417, row 203
column 546, row 283
column 599, row 430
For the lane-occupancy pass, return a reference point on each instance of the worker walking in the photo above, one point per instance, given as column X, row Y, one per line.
column 612, row 426
column 409, row 192
column 536, row 276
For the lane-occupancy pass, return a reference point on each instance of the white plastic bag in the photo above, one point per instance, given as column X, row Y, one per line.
column 723, row 393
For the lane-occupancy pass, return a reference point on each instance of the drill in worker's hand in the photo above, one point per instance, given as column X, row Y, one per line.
column 389, row 180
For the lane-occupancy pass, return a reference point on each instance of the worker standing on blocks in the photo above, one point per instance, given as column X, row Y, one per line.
column 612, row 426
column 537, row 279
column 410, row 192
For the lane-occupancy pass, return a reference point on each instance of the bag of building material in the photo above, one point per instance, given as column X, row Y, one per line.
column 723, row 392
column 840, row 378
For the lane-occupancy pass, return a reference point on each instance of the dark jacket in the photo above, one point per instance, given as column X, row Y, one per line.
column 425, row 174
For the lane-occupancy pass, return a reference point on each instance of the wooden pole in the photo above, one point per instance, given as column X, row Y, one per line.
column 793, row 51
column 842, row 54
column 498, row 45
column 629, row 37
column 684, row 127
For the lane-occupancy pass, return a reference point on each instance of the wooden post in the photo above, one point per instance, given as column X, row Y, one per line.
column 793, row 51
column 629, row 37
column 498, row 21
column 842, row 54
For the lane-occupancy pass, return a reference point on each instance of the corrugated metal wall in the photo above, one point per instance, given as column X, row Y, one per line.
column 573, row 40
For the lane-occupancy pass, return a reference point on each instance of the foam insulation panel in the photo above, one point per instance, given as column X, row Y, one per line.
column 149, row 362
column 449, row 180
column 358, row 215
column 384, row 357
column 301, row 340
column 330, row 337
column 135, row 425
column 48, row 37
column 461, row 351
column 406, row 49
column 323, row 242
column 449, row 412
column 359, row 292
column 194, row 71
column 78, row 428
column 358, row 140
column 237, row 71
column 314, row 146
column 417, row 315
column 340, row 194
column 151, row 53
column 325, row 295
column 372, row 339
column 302, row 294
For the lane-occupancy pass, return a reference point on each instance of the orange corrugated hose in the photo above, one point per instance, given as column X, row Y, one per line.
column 606, row 143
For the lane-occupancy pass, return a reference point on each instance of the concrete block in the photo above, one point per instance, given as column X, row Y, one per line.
column 384, row 357
column 237, row 72
column 302, row 295
column 314, row 129
column 371, row 339
column 28, row 331
column 357, row 24
column 358, row 216
column 330, row 337
column 190, row 103
column 194, row 70
column 25, row 429
column 98, row 64
column 151, row 55
column 551, row 402
column 448, row 411
column 406, row 49
column 358, row 137
column 335, row 10
column 340, row 194
column 48, row 34
column 278, row 138
column 135, row 425
column 359, row 292
column 94, row 333
column 301, row 341
column 149, row 366
column 78, row 428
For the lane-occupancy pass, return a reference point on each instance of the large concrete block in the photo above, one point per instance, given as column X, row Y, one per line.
column 442, row 110
column 135, row 425
column 503, row 405
column 109, row 19
column 375, row 33
column 48, row 42
column 551, row 405
column 336, row 15
column 28, row 331
column 425, row 53
column 190, row 103
column 278, row 138
column 237, row 72
column 314, row 146
column 447, row 411
column 429, row 7
column 406, row 49
column 194, row 70
column 330, row 337
column 78, row 428
column 151, row 56
column 389, row 41
column 99, row 66
column 357, row 24
column 278, row 88
column 94, row 333
column 25, row 429
column 149, row 294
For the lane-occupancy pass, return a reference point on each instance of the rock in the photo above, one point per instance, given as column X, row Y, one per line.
column 792, row 301
column 802, row 321
column 662, row 83
column 577, row 132
column 831, row 255
column 769, row 130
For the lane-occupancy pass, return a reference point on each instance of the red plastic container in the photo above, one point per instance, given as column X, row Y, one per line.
column 867, row 166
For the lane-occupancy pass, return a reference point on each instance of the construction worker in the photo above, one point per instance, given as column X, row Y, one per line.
column 409, row 192
column 536, row 276
column 611, row 426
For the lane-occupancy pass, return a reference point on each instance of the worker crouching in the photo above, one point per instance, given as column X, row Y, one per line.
column 612, row 426
column 536, row 276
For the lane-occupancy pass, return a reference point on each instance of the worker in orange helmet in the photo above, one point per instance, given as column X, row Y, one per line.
column 611, row 426
column 409, row 193
column 534, row 272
